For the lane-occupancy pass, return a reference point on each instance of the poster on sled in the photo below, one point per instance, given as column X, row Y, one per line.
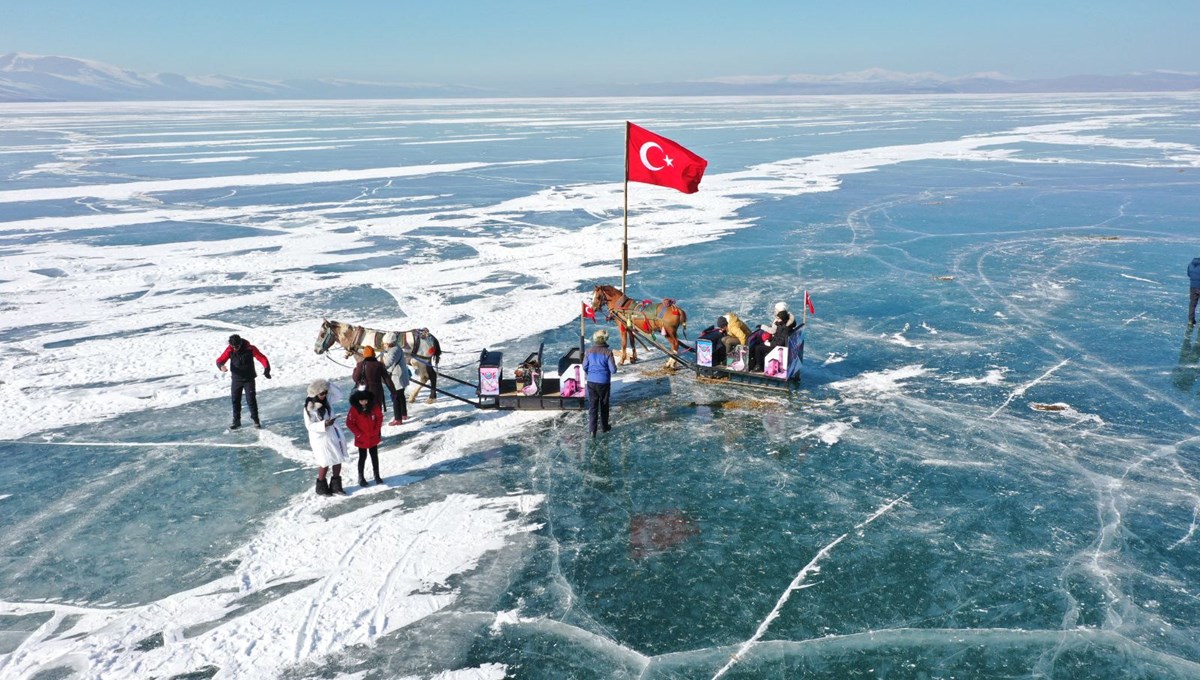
column 573, row 382
column 775, row 364
column 739, row 358
column 704, row 353
column 489, row 381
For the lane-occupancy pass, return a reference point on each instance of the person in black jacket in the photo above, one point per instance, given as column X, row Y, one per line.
column 241, row 355
column 777, row 336
column 371, row 374
column 715, row 335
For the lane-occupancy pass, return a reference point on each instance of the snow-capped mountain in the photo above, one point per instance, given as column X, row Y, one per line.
column 27, row 77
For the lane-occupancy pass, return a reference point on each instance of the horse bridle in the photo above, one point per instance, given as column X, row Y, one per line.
column 597, row 306
column 326, row 340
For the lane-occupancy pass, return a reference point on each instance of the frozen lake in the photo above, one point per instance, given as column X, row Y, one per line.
column 993, row 469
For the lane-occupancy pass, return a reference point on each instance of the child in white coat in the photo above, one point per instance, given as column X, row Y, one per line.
column 325, row 437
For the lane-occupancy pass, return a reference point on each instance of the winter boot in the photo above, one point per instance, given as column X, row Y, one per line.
column 234, row 425
column 257, row 424
column 378, row 481
column 335, row 485
column 322, row 488
column 362, row 481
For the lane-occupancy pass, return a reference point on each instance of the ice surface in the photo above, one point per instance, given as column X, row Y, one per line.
column 1000, row 287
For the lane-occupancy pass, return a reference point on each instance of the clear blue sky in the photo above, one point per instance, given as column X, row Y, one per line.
column 549, row 42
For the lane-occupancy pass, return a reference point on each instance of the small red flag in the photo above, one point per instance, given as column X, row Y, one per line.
column 588, row 312
column 653, row 159
column 808, row 303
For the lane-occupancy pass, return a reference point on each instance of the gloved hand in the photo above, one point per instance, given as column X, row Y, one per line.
column 267, row 374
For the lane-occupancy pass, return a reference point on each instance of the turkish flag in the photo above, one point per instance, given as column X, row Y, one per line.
column 808, row 303
column 653, row 159
column 588, row 312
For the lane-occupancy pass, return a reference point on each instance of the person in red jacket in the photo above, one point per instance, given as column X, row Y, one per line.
column 365, row 420
column 241, row 355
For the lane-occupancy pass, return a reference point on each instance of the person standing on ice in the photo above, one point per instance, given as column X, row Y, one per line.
column 241, row 355
column 370, row 373
column 1194, row 275
column 397, row 367
column 325, row 437
column 600, row 366
column 365, row 421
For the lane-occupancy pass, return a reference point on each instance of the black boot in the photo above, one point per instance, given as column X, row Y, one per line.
column 378, row 480
column 234, row 425
column 257, row 424
column 322, row 488
column 361, row 481
column 335, row 485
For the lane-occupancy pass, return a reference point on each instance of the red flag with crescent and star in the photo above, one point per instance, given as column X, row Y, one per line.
column 654, row 159
column 588, row 312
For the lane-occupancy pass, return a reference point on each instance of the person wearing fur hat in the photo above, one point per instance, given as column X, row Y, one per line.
column 241, row 355
column 325, row 437
column 365, row 421
column 397, row 367
column 370, row 373
column 599, row 365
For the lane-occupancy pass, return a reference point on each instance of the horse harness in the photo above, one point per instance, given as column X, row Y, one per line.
column 374, row 338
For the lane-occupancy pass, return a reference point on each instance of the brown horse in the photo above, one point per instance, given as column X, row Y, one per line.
column 666, row 317
column 423, row 349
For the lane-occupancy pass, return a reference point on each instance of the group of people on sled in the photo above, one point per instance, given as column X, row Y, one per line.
column 747, row 350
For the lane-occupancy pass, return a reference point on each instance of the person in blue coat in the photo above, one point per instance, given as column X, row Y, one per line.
column 599, row 365
column 1194, row 275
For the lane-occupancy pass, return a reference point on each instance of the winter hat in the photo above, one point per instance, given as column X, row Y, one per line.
column 722, row 322
column 600, row 335
column 391, row 339
column 235, row 340
column 780, row 306
column 318, row 386
column 368, row 352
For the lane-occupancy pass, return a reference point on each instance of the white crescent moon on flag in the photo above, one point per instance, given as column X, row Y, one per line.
column 646, row 161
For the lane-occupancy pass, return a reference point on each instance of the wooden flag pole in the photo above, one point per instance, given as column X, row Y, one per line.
column 625, row 242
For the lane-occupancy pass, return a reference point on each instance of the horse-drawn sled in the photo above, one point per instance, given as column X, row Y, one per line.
column 529, row 388
column 781, row 366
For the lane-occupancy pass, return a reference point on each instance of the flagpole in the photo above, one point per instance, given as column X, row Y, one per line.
column 581, row 332
column 804, row 320
column 625, row 242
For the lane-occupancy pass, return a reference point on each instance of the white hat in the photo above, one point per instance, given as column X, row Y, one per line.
column 780, row 306
column 318, row 386
column 392, row 338
column 600, row 335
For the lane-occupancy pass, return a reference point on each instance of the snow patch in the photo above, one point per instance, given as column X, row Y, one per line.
column 829, row 433
column 899, row 339
column 994, row 377
column 878, row 384
column 361, row 575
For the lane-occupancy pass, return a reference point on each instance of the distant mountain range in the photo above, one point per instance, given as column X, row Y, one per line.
column 27, row 77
